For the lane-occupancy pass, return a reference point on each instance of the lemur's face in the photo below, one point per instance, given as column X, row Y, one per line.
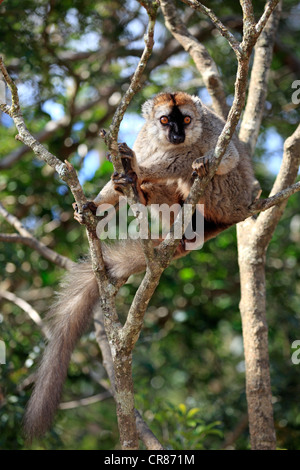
column 173, row 118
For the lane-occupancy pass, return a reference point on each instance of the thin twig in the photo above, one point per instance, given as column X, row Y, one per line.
column 69, row 405
column 270, row 6
column 234, row 43
column 26, row 238
column 31, row 312
column 277, row 199
column 51, row 128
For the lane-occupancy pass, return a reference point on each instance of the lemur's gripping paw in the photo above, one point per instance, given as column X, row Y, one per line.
column 77, row 216
column 121, row 180
column 91, row 206
column 127, row 156
column 125, row 150
column 200, row 167
column 80, row 216
column 129, row 176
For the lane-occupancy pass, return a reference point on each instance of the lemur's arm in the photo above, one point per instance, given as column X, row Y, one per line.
column 112, row 191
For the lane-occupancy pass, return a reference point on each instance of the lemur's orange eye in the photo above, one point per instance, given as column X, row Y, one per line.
column 187, row 120
column 164, row 120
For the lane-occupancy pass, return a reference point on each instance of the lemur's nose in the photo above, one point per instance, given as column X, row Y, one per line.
column 177, row 139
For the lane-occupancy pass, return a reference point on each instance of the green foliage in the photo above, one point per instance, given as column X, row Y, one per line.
column 190, row 350
column 182, row 428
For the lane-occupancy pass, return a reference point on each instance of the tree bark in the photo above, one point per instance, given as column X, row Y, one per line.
column 255, row 334
column 254, row 236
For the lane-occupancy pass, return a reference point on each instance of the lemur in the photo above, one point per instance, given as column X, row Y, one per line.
column 177, row 139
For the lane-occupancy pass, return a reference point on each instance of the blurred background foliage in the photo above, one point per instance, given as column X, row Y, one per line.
column 72, row 61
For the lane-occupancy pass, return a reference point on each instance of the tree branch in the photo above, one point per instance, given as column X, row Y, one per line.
column 120, row 351
column 258, row 86
column 203, row 61
column 283, row 186
column 112, row 135
column 269, row 8
column 51, row 128
column 31, row 312
column 144, row 433
column 85, row 401
column 120, row 344
column 234, row 43
column 253, row 238
column 277, row 199
column 26, row 238
column 66, row 173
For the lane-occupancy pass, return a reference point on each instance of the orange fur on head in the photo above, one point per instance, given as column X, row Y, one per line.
column 172, row 99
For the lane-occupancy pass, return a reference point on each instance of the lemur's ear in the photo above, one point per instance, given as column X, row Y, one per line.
column 197, row 102
column 147, row 109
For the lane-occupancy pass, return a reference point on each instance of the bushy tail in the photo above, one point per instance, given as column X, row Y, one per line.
column 69, row 317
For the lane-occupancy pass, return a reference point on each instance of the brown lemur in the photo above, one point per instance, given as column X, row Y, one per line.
column 178, row 137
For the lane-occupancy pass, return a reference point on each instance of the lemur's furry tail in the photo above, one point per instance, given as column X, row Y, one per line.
column 69, row 318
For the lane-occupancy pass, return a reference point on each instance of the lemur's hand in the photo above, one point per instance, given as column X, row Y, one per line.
column 200, row 167
column 121, row 180
column 90, row 205
column 128, row 158
column 130, row 174
column 80, row 216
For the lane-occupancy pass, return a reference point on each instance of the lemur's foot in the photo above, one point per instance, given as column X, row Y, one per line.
column 200, row 167
column 80, row 216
